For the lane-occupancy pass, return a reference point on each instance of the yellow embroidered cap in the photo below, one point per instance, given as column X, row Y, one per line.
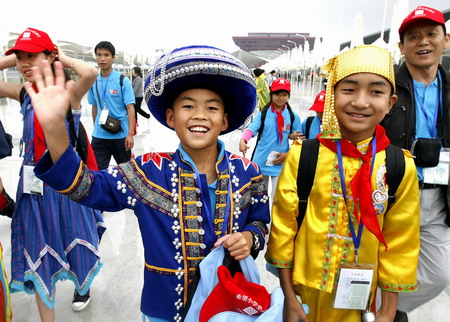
column 361, row 59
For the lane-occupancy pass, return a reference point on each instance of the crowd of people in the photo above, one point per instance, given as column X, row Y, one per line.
column 355, row 197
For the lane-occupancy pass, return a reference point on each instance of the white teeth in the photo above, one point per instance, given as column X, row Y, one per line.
column 424, row 52
column 357, row 115
column 198, row 129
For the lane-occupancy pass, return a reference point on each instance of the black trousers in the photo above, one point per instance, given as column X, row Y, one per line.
column 138, row 109
column 105, row 148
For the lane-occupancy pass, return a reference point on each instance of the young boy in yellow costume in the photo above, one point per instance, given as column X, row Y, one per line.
column 345, row 209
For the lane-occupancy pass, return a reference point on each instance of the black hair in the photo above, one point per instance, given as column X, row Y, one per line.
column 170, row 98
column 107, row 46
column 258, row 72
column 273, row 72
column 279, row 91
column 402, row 35
column 137, row 70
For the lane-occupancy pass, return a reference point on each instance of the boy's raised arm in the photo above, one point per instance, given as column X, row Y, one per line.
column 51, row 102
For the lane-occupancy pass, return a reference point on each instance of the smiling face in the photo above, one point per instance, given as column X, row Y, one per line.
column 279, row 99
column 26, row 60
column 423, row 44
column 198, row 116
column 361, row 102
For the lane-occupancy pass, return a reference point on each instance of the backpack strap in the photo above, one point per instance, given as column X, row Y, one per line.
column 263, row 119
column 22, row 93
column 73, row 133
column 305, row 175
column 395, row 170
column 309, row 121
column 291, row 116
column 261, row 128
column 121, row 83
column 121, row 78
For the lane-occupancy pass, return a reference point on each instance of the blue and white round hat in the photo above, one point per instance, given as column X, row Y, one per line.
column 201, row 67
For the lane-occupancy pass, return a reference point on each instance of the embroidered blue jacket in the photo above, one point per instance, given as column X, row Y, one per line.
column 169, row 201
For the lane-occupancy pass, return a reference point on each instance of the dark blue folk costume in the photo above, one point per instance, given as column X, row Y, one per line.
column 178, row 216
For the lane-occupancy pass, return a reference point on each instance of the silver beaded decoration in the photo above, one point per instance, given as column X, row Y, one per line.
column 156, row 89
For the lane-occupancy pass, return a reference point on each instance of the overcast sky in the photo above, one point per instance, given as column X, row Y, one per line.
column 145, row 25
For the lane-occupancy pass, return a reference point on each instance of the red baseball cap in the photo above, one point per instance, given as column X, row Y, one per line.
column 235, row 294
column 422, row 13
column 280, row 84
column 32, row 41
column 319, row 102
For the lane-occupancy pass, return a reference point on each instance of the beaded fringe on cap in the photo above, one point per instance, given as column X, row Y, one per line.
column 362, row 59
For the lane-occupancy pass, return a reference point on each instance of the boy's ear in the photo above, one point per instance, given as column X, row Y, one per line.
column 170, row 116
column 392, row 101
column 224, row 123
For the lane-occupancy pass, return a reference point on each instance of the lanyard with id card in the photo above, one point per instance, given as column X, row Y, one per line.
column 32, row 184
column 105, row 111
column 355, row 279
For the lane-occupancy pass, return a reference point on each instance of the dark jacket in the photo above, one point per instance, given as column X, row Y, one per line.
column 400, row 123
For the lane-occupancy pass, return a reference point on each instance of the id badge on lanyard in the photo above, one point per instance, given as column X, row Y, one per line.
column 353, row 290
column 105, row 111
column 103, row 115
column 355, row 279
column 31, row 183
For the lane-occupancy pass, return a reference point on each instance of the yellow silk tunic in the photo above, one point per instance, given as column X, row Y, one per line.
column 324, row 241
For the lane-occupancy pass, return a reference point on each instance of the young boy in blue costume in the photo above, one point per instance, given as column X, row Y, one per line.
column 187, row 202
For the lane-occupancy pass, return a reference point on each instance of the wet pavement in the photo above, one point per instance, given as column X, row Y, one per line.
column 116, row 290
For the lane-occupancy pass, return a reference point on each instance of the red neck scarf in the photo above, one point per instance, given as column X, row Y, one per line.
column 38, row 139
column 280, row 121
column 361, row 187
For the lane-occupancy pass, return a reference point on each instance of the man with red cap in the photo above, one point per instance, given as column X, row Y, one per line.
column 274, row 125
column 420, row 121
column 311, row 126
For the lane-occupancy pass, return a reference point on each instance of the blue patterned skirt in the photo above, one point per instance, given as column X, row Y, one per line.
column 53, row 238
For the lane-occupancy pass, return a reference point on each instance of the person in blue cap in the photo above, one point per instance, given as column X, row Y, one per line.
column 187, row 202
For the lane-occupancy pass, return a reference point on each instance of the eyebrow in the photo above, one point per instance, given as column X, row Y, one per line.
column 375, row 83
column 212, row 100
column 427, row 29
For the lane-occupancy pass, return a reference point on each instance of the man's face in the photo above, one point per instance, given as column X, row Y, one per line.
column 361, row 102
column 104, row 59
column 423, row 44
column 198, row 116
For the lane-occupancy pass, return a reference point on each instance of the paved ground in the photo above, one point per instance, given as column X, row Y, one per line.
column 116, row 290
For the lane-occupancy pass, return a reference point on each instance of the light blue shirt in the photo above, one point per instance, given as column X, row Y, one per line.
column 426, row 117
column 115, row 99
column 314, row 129
column 269, row 139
